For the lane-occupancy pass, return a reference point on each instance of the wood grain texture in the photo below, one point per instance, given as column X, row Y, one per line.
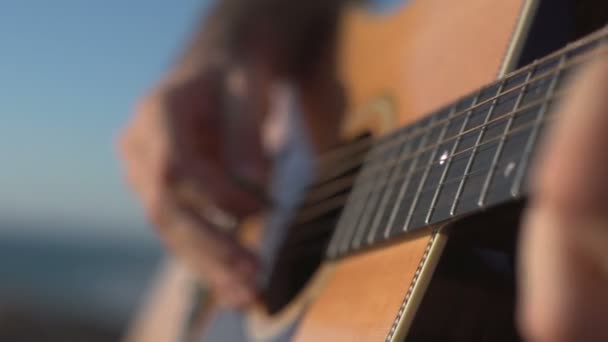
column 424, row 55
column 419, row 58
column 415, row 60
column 362, row 298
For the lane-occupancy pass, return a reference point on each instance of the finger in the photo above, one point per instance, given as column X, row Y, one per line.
column 210, row 180
column 153, row 153
column 147, row 152
column 562, row 292
column 563, row 251
column 234, row 296
column 220, row 250
column 215, row 146
column 232, row 290
column 143, row 143
column 246, row 99
column 216, row 256
column 574, row 159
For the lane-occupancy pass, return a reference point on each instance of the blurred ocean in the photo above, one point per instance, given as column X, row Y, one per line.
column 96, row 280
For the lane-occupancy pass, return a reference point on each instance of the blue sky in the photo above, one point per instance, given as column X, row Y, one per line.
column 70, row 71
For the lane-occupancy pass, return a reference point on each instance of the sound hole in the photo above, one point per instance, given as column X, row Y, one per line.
column 299, row 258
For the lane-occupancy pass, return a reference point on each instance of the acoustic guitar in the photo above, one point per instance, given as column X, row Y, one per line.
column 407, row 230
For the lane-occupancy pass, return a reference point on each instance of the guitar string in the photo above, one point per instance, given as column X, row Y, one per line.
column 461, row 177
column 530, row 69
column 590, row 40
column 598, row 50
column 320, row 210
column 543, row 102
column 390, row 162
column 544, row 76
column 369, row 175
column 400, row 161
column 359, row 146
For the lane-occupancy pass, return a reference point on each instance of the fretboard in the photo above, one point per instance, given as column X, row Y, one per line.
column 470, row 155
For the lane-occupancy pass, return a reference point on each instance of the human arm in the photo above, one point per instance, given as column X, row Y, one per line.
column 176, row 137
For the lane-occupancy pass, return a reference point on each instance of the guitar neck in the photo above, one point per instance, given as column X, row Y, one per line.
column 470, row 155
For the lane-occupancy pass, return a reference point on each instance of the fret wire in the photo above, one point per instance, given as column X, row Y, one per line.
column 551, row 73
column 519, row 175
column 361, row 225
column 363, row 199
column 349, row 230
column 498, row 118
column 515, row 131
column 352, row 223
column 563, row 64
column 388, row 191
column 529, row 105
column 351, row 202
column 484, row 170
column 448, row 162
column 390, row 162
column 388, row 173
column 341, row 226
column 369, row 207
column 481, row 171
column 468, row 174
column 522, row 109
column 474, row 150
column 426, row 171
column 501, row 143
column 401, row 135
column 339, row 230
column 597, row 36
column 404, row 186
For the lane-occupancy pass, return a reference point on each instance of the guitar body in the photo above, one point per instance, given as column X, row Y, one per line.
column 421, row 56
column 397, row 66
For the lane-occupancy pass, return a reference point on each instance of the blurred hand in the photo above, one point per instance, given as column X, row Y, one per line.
column 176, row 158
column 564, row 244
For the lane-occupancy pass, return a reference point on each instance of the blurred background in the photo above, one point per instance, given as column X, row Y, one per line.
column 75, row 253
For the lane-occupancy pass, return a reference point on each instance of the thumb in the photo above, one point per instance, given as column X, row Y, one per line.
column 563, row 256
column 562, row 287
